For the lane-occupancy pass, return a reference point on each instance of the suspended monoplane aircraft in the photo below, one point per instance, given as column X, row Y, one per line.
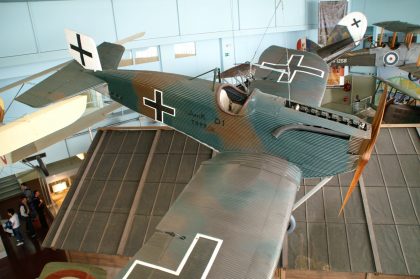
column 230, row 219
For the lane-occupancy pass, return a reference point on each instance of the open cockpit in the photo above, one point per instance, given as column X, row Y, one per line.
column 231, row 99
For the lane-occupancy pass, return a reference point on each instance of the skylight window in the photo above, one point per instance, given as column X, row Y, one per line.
column 127, row 58
column 184, row 50
column 146, row 55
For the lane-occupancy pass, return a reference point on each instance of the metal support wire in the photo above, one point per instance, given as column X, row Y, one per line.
column 311, row 192
column 14, row 98
column 216, row 75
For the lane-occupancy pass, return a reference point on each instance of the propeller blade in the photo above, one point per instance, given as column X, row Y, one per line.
column 130, row 38
column 364, row 158
column 58, row 67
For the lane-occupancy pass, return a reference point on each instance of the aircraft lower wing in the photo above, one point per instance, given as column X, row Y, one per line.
column 229, row 222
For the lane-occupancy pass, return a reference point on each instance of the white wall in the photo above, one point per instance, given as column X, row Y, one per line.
column 386, row 10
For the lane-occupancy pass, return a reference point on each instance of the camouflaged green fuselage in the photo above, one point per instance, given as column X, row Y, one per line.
column 193, row 107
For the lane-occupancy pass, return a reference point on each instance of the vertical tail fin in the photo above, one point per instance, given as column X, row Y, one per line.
column 347, row 34
column 83, row 49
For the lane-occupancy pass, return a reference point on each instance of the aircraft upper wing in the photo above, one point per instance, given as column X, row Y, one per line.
column 229, row 222
column 399, row 26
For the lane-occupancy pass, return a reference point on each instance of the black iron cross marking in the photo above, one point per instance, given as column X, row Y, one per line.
column 80, row 50
column 356, row 22
column 158, row 106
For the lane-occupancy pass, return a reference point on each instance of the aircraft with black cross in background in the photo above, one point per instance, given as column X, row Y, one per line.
column 230, row 219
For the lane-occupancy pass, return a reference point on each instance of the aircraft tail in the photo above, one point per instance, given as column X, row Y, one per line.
column 76, row 76
column 346, row 35
column 83, row 49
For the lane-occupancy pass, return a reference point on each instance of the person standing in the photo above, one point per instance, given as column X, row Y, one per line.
column 14, row 219
column 39, row 207
column 25, row 212
column 29, row 196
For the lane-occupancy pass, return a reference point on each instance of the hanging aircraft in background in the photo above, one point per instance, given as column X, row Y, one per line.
column 29, row 134
column 231, row 217
column 405, row 56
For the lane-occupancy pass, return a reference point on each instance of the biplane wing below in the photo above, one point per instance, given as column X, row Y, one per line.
column 39, row 124
column 230, row 220
column 32, row 145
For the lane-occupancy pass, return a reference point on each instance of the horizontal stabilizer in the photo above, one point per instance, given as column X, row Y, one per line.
column 69, row 81
column 41, row 123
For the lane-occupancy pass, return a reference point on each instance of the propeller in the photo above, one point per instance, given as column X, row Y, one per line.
column 57, row 67
column 367, row 148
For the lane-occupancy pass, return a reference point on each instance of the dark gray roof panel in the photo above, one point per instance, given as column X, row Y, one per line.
column 402, row 206
column 379, row 205
column 410, row 240
column 384, row 144
column 391, row 255
column 415, row 139
column 410, row 166
column 324, row 240
column 332, row 201
column 360, row 250
column 354, row 212
column 113, row 173
column 391, row 171
column 402, row 140
column 372, row 174
column 339, row 257
column 318, row 248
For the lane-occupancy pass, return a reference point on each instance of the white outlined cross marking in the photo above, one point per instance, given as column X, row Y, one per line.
column 294, row 61
column 178, row 271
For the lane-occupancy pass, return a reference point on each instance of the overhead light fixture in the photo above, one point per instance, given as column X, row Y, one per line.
column 81, row 156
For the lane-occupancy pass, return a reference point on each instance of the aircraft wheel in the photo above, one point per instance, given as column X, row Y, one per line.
column 412, row 78
column 292, row 225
